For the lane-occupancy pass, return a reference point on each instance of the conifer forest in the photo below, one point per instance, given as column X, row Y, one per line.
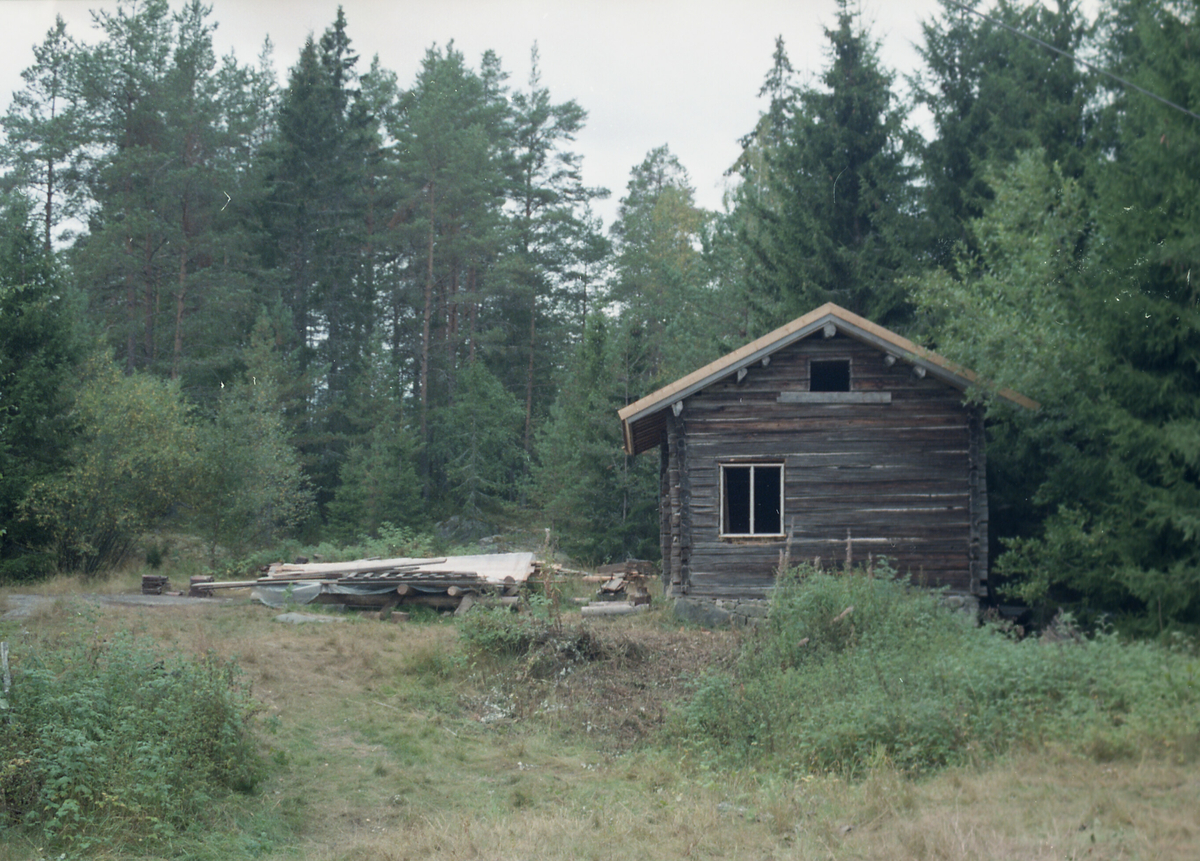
column 248, row 305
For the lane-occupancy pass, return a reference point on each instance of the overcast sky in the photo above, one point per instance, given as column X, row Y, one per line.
column 649, row 72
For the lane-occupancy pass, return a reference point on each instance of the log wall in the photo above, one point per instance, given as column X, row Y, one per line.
column 900, row 476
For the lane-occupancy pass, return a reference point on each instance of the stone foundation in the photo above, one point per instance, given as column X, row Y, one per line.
column 719, row 612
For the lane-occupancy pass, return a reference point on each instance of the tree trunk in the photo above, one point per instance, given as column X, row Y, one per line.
column 180, row 303
column 425, row 338
column 529, row 376
column 49, row 195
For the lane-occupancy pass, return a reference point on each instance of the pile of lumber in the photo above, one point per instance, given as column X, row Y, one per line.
column 383, row 584
column 622, row 588
column 155, row 584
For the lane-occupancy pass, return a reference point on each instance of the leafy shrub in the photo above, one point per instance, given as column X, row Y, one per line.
column 538, row 636
column 497, row 630
column 391, row 541
column 110, row 742
column 852, row 667
column 133, row 463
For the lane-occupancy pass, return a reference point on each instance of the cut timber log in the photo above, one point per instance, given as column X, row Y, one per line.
column 465, row 604
column 613, row 609
column 225, row 584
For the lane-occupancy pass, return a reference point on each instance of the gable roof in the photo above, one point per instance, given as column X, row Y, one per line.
column 642, row 421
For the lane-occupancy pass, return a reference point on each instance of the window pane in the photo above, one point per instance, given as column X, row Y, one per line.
column 737, row 500
column 767, row 516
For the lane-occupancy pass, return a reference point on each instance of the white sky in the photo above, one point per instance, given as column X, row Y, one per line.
column 648, row 72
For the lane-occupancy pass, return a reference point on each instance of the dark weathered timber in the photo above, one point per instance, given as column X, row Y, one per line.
column 673, row 561
column 664, row 512
column 679, row 496
column 977, row 480
column 895, row 471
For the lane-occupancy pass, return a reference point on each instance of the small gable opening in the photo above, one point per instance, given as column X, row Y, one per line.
column 829, row 375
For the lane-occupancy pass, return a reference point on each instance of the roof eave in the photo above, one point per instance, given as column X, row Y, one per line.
column 846, row 322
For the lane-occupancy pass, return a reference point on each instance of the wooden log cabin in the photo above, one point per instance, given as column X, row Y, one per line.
column 830, row 432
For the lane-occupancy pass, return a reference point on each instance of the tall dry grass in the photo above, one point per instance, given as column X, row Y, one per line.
column 387, row 741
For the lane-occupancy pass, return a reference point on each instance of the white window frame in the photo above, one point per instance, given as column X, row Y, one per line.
column 722, row 506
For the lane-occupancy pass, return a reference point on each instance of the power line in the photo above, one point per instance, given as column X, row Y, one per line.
column 1075, row 59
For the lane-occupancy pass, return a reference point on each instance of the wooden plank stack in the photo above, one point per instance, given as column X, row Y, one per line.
column 384, row 584
column 155, row 584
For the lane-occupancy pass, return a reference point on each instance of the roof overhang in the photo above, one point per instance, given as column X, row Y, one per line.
column 643, row 420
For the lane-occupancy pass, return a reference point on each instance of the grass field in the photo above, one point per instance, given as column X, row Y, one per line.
column 385, row 740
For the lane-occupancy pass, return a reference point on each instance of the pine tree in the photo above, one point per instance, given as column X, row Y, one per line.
column 550, row 229
column 44, row 131
column 450, row 130
column 165, row 256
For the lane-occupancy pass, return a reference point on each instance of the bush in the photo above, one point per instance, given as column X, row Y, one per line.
column 390, row 542
column 134, row 461
column 853, row 667
column 110, row 742
column 499, row 631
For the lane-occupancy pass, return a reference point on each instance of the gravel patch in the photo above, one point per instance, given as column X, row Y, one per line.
column 22, row 606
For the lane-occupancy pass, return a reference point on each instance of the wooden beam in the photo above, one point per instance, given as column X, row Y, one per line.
column 613, row 609
column 677, row 408
column 889, row 360
column 829, row 330
column 741, row 375
column 225, row 584
column 766, row 361
column 643, row 414
column 834, row 398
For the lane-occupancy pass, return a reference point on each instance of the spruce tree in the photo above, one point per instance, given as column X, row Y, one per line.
column 659, row 278
column 318, row 171
column 1143, row 308
column 837, row 222
column 992, row 94
column 40, row 350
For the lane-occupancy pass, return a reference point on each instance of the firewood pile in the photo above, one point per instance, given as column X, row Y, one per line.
column 622, row 588
column 384, row 584
column 155, row 584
